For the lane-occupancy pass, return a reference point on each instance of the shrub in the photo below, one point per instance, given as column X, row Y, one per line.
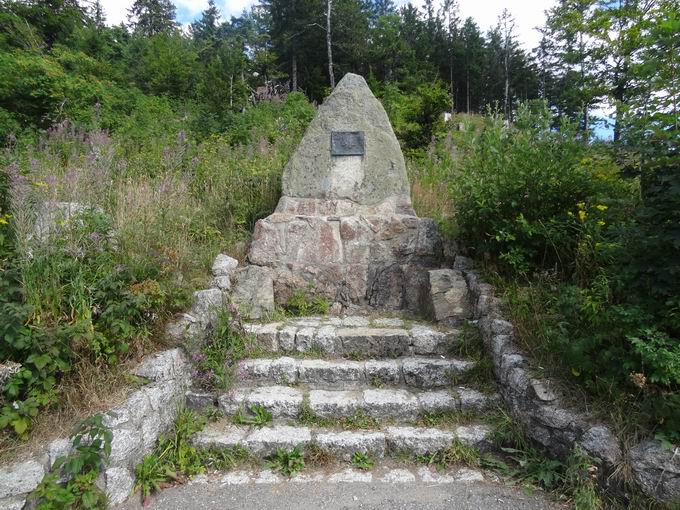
column 530, row 197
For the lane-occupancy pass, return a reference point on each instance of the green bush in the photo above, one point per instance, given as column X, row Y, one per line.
column 77, row 300
column 588, row 258
column 530, row 196
column 417, row 116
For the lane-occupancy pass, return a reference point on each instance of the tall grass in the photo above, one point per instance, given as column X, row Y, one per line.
column 153, row 213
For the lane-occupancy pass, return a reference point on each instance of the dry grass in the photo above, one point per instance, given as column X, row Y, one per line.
column 89, row 390
column 432, row 200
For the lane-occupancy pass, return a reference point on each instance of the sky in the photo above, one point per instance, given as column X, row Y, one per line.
column 528, row 14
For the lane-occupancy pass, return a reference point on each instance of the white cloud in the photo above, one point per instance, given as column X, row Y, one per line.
column 528, row 14
column 116, row 10
column 187, row 10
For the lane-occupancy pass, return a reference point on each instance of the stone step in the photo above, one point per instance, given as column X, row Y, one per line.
column 417, row 372
column 378, row 443
column 355, row 336
column 395, row 404
column 384, row 472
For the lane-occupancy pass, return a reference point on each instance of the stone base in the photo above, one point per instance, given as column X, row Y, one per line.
column 378, row 261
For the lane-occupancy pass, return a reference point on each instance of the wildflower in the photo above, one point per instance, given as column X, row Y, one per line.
column 582, row 215
column 4, row 220
column 601, row 223
column 601, row 207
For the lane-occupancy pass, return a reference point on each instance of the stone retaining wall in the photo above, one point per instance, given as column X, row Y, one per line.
column 136, row 425
column 535, row 402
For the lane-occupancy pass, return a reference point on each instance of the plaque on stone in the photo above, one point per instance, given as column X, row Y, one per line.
column 347, row 143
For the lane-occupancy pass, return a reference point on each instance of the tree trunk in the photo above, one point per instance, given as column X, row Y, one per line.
column 507, row 80
column 453, row 103
column 467, row 90
column 585, row 123
column 231, row 91
column 293, row 51
column 331, row 77
column 294, row 85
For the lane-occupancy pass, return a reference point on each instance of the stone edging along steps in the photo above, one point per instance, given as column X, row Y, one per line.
column 545, row 417
column 135, row 424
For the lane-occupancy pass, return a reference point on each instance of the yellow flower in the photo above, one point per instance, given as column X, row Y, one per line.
column 601, row 207
column 601, row 223
column 570, row 214
column 582, row 215
column 4, row 219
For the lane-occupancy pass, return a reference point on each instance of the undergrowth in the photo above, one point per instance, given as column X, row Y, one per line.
column 173, row 458
column 71, row 483
column 288, row 463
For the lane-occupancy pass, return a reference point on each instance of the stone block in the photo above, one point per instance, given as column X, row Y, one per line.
column 280, row 401
column 345, row 444
column 374, row 342
column 449, row 299
column 383, row 372
column 304, row 339
column 223, row 265
column 657, row 470
column 334, row 404
column 286, row 338
column 438, row 401
column 390, row 403
column 267, row 440
column 417, row 441
column 432, row 373
column 20, row 477
column 341, row 374
column 219, row 435
column 254, row 290
column 427, row 341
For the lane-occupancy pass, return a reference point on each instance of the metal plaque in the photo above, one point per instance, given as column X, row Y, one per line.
column 347, row 143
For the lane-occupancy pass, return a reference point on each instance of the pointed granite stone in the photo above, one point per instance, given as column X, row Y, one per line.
column 375, row 178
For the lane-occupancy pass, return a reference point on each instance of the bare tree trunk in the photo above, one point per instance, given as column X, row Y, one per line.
column 331, row 77
column 507, row 80
column 294, row 78
column 467, row 90
column 294, row 85
column 231, row 91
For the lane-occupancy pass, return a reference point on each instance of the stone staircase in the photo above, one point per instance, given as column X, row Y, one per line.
column 355, row 384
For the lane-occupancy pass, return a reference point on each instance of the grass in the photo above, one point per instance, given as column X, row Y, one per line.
column 446, row 419
column 316, row 456
column 86, row 391
column 171, row 204
column 358, row 421
column 456, row 453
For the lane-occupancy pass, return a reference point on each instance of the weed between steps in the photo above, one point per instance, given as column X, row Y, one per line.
column 358, row 421
column 174, row 460
column 471, row 346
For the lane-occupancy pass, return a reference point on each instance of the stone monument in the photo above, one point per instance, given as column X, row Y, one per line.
column 345, row 225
